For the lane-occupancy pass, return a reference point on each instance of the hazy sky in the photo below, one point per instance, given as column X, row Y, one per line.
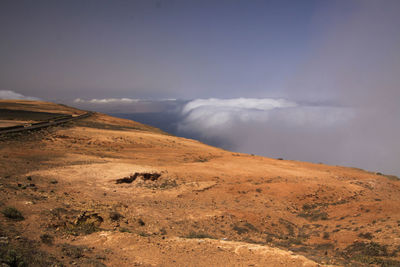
column 336, row 61
column 179, row 49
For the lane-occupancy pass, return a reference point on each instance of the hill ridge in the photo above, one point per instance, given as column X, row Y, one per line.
column 206, row 205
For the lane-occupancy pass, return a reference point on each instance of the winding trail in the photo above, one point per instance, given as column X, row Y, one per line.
column 50, row 122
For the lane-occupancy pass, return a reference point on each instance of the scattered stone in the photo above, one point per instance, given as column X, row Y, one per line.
column 144, row 175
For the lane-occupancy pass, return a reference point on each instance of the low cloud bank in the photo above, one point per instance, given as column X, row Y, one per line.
column 271, row 127
column 330, row 134
column 8, row 94
column 327, row 133
column 107, row 100
column 263, row 104
column 202, row 115
column 222, row 113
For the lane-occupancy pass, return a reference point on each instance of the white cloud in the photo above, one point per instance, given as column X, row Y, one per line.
column 203, row 115
column 107, row 101
column 271, row 127
column 238, row 103
column 8, row 94
column 216, row 113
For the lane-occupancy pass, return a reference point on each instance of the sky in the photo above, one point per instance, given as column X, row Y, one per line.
column 303, row 80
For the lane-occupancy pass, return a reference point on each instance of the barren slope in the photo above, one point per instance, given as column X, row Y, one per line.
column 189, row 204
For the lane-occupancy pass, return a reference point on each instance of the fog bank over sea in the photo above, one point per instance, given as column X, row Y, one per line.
column 330, row 133
column 272, row 127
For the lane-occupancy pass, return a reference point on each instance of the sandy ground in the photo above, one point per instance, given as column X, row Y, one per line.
column 206, row 207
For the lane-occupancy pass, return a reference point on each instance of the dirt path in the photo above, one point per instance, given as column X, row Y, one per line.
column 39, row 125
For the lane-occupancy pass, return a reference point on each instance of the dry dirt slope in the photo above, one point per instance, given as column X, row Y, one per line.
column 189, row 204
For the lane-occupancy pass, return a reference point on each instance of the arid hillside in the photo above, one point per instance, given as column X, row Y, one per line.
column 103, row 191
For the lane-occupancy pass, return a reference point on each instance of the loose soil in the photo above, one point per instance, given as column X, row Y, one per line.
column 182, row 203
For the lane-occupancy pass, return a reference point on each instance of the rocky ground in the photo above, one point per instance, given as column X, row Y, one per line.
column 104, row 191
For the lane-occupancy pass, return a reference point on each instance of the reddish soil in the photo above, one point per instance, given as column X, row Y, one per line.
column 190, row 204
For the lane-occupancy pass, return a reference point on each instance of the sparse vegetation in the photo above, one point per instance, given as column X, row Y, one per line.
column 12, row 213
column 370, row 253
column 289, row 241
column 47, row 239
column 240, row 230
column 324, row 246
column 312, row 213
column 115, row 216
column 24, row 253
column 141, row 222
column 365, row 235
column 85, row 224
column 168, row 184
column 289, row 226
column 250, row 227
column 13, row 258
column 201, row 159
column 72, row 251
column 198, row 235
column 325, row 235
column 369, row 249
column 144, row 234
column 251, row 200
column 124, row 230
